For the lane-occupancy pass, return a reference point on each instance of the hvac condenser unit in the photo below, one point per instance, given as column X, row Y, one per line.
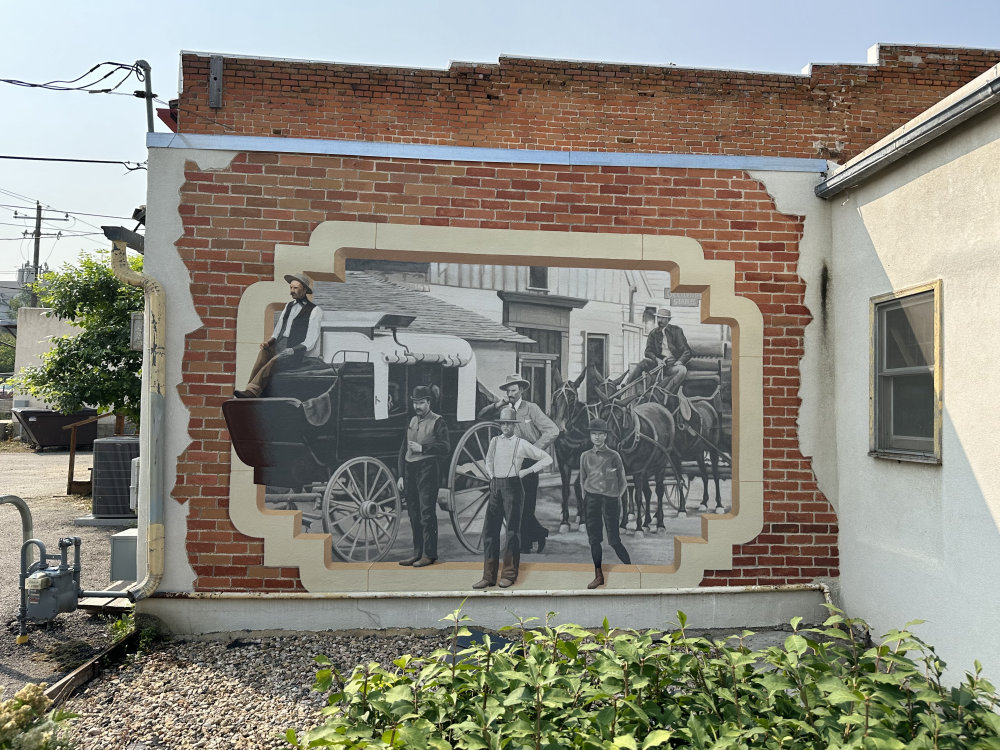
column 112, row 475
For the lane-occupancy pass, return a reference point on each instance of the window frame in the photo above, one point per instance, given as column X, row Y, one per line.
column 543, row 272
column 878, row 443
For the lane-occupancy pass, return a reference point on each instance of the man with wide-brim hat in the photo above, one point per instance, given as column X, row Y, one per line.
column 296, row 336
column 510, row 463
column 603, row 481
column 666, row 345
column 534, row 426
column 427, row 443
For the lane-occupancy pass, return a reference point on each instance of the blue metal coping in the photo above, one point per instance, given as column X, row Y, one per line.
column 489, row 155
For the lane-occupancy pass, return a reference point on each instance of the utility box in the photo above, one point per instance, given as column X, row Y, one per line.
column 112, row 475
column 123, row 555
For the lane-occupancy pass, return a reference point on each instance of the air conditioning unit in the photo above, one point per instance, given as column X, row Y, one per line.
column 112, row 475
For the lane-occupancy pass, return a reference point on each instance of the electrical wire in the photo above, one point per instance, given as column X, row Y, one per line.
column 137, row 167
column 73, row 213
column 129, row 71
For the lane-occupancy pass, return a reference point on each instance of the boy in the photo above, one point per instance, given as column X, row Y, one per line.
column 509, row 460
column 602, row 477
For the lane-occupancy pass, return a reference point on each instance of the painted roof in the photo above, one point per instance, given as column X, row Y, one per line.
column 362, row 292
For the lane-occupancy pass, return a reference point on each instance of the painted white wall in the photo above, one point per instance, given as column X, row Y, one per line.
column 923, row 541
column 36, row 327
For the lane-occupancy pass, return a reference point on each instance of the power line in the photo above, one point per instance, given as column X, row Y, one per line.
column 129, row 71
column 138, row 165
column 73, row 213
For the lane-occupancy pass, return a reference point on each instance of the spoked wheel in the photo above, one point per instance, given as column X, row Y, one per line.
column 468, row 485
column 361, row 510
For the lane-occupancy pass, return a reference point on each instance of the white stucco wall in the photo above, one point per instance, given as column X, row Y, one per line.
column 36, row 327
column 917, row 540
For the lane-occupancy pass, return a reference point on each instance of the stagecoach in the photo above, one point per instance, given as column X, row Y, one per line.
column 325, row 437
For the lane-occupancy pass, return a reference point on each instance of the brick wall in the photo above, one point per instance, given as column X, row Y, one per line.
column 234, row 217
column 833, row 113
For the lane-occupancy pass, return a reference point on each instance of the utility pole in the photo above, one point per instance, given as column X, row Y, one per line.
column 37, row 234
column 38, row 246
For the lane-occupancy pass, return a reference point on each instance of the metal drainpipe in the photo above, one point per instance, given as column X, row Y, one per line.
column 22, row 507
column 155, row 364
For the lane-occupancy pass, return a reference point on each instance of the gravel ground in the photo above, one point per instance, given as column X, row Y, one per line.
column 239, row 694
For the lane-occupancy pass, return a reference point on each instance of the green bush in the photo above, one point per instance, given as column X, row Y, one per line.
column 24, row 725
column 566, row 687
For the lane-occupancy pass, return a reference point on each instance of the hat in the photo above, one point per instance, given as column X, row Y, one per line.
column 598, row 425
column 421, row 392
column 302, row 278
column 663, row 312
column 507, row 414
column 514, row 379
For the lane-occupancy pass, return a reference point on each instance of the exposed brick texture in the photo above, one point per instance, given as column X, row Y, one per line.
column 234, row 217
column 833, row 112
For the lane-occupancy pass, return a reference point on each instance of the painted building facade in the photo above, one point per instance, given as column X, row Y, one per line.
column 590, row 188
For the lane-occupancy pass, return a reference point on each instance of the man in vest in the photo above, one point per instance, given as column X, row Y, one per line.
column 295, row 337
column 427, row 442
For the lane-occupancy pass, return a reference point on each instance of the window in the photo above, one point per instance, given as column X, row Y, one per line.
column 906, row 387
column 538, row 277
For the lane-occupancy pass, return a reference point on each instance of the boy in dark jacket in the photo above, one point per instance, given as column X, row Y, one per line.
column 602, row 477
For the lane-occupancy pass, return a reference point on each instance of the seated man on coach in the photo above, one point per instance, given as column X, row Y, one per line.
column 296, row 337
column 665, row 344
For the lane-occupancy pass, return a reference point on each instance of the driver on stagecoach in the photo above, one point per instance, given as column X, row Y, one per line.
column 296, row 337
column 665, row 344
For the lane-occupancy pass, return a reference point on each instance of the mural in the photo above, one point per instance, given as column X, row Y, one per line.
column 422, row 413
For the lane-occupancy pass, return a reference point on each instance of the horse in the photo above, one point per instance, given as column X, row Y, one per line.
column 699, row 434
column 570, row 416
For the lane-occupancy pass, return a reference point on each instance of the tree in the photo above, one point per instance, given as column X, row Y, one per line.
column 95, row 367
column 6, row 352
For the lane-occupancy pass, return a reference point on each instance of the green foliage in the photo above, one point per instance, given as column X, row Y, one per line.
column 24, row 725
column 125, row 625
column 565, row 687
column 96, row 367
column 7, row 343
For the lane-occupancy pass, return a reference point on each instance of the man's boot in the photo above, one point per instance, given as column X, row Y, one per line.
column 489, row 576
column 598, row 578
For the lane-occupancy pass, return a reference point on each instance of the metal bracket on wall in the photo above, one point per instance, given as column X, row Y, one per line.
column 215, row 81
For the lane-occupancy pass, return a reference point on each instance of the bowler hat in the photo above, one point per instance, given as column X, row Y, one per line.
column 514, row 379
column 598, row 425
column 663, row 312
column 422, row 392
column 302, row 278
column 507, row 414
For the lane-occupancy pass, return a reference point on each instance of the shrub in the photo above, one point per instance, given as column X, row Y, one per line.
column 24, row 725
column 566, row 687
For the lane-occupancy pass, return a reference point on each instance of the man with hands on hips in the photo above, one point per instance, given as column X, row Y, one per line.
column 427, row 441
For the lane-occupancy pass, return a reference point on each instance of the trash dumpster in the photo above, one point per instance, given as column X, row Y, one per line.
column 43, row 428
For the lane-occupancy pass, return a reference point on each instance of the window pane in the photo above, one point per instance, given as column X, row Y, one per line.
column 538, row 277
column 913, row 406
column 908, row 328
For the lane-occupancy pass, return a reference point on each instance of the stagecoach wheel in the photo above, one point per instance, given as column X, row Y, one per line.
column 361, row 510
column 468, row 485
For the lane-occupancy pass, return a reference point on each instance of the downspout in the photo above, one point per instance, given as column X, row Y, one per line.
column 155, row 362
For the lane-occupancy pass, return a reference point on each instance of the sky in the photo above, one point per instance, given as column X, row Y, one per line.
column 61, row 40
